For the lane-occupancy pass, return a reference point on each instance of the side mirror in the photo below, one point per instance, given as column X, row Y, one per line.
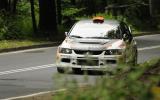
column 66, row 34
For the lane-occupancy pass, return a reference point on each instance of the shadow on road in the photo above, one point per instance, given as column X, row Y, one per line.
column 90, row 73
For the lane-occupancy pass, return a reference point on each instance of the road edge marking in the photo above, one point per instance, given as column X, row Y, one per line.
column 26, row 69
column 149, row 48
column 146, row 35
column 36, row 94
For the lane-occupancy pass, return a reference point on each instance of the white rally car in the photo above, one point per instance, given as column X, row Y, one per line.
column 96, row 44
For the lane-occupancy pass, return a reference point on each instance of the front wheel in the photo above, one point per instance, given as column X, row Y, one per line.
column 60, row 70
column 76, row 70
column 134, row 59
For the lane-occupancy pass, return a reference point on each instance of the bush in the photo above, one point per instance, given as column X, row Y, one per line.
column 18, row 28
column 122, row 86
column 15, row 27
column 3, row 28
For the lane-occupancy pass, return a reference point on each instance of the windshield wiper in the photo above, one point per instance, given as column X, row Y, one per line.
column 75, row 36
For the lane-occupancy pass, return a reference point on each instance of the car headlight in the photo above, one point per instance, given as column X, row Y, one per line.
column 114, row 52
column 65, row 50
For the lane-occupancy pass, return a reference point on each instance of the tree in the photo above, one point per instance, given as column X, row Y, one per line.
column 33, row 16
column 14, row 9
column 59, row 11
column 47, row 18
column 90, row 7
column 154, row 7
column 103, row 5
column 3, row 4
column 8, row 5
column 73, row 2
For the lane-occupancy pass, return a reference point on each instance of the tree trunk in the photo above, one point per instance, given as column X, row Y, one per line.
column 104, row 5
column 14, row 9
column 8, row 5
column 3, row 5
column 115, row 9
column 73, row 2
column 33, row 16
column 47, row 18
column 59, row 13
column 90, row 7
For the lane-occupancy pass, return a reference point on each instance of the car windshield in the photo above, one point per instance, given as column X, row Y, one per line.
column 94, row 30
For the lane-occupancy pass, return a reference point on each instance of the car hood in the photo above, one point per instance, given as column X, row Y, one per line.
column 92, row 44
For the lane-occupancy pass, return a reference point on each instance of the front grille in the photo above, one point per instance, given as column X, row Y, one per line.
column 111, row 61
column 66, row 60
column 85, row 62
column 85, row 52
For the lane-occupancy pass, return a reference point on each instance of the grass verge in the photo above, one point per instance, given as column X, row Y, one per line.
column 6, row 44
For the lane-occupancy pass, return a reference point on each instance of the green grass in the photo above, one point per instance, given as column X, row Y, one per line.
column 5, row 44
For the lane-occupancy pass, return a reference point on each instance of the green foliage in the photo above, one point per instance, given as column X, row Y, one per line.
column 71, row 11
column 23, row 8
column 91, row 7
column 3, row 28
column 136, row 13
column 18, row 26
column 121, row 86
column 15, row 27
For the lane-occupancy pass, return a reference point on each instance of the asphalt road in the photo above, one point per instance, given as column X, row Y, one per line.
column 32, row 71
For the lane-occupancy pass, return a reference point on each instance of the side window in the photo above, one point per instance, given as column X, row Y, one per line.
column 124, row 28
column 125, row 32
column 127, row 29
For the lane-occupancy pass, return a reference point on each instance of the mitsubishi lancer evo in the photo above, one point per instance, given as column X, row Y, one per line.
column 96, row 44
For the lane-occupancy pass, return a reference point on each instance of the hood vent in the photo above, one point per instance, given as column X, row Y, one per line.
column 91, row 42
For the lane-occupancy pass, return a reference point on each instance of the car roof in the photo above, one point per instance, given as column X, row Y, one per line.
column 111, row 22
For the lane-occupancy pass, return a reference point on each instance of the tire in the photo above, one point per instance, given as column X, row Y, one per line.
column 60, row 70
column 134, row 61
column 135, row 58
column 76, row 70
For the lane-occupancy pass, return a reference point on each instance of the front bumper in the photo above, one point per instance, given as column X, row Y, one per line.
column 92, row 62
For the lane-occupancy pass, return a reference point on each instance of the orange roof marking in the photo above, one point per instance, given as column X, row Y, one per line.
column 98, row 18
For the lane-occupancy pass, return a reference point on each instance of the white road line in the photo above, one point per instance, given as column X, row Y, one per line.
column 26, row 69
column 36, row 94
column 149, row 48
column 146, row 36
column 31, row 95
